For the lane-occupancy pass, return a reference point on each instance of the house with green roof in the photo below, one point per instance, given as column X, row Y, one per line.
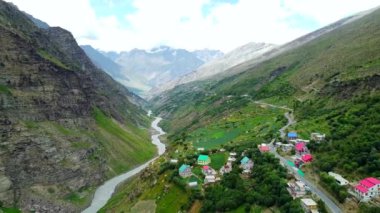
column 246, row 164
column 185, row 171
column 204, row 160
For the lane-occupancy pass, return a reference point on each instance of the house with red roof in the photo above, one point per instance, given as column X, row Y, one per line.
column 307, row 158
column 367, row 189
column 263, row 148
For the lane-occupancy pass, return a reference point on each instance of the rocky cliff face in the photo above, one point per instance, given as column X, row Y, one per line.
column 53, row 101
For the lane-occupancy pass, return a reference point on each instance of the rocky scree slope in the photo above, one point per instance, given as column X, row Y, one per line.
column 65, row 125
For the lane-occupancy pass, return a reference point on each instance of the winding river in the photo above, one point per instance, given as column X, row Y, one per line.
column 105, row 191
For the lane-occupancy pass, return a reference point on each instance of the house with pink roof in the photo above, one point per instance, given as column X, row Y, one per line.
column 301, row 148
column 207, row 170
column 263, row 148
column 367, row 189
column 307, row 158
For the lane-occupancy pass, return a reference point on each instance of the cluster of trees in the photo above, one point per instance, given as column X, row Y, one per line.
column 266, row 187
column 329, row 183
column 354, row 143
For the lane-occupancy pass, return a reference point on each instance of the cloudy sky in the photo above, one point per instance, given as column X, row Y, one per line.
column 191, row 24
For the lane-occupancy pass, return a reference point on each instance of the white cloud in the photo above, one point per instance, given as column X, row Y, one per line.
column 181, row 24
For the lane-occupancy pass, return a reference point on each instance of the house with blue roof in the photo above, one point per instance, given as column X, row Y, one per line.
column 184, row 171
column 292, row 136
column 246, row 164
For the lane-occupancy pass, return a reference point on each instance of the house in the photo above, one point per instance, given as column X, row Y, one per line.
column 287, row 147
column 227, row 168
column 222, row 150
column 185, row 171
column 210, row 179
column 173, row 161
column 309, row 205
column 200, row 149
column 203, row 160
column 292, row 136
column 231, row 159
column 301, row 148
column 339, row 179
column 367, row 189
column 246, row 164
column 193, row 184
column 296, row 189
column 307, row 158
column 317, row 137
column 263, row 148
column 233, row 154
column 207, row 170
column 299, row 140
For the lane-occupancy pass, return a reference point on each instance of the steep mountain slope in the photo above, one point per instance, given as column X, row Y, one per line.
column 65, row 125
column 329, row 77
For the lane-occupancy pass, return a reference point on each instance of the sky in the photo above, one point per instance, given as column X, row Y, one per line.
column 122, row 25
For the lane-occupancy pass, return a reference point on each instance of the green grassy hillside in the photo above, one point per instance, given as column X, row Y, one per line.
column 331, row 82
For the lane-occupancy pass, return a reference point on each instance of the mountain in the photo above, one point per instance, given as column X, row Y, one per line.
column 254, row 52
column 207, row 55
column 327, row 80
column 65, row 125
column 147, row 69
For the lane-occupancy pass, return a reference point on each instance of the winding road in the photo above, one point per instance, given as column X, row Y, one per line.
column 105, row 191
column 290, row 117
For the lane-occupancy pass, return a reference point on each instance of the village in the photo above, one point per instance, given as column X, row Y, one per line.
column 201, row 173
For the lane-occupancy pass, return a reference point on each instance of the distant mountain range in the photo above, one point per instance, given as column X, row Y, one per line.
column 145, row 70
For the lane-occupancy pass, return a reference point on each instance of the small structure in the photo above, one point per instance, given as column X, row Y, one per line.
column 263, row 148
column 296, row 189
column 222, row 150
column 292, row 136
column 367, row 189
column 210, row 179
column 227, row 168
column 298, row 162
column 287, row 147
column 339, row 179
column 193, row 184
column 309, row 205
column 246, row 164
column 173, row 161
column 301, row 148
column 203, row 160
column 317, row 136
column 306, row 158
column 207, row 170
column 299, row 140
column 231, row 159
column 185, row 171
column 200, row 149
column 233, row 154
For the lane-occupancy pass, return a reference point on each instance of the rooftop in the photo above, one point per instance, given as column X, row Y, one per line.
column 183, row 167
column 300, row 146
column 309, row 202
column 203, row 157
column 244, row 160
column 361, row 188
column 292, row 134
